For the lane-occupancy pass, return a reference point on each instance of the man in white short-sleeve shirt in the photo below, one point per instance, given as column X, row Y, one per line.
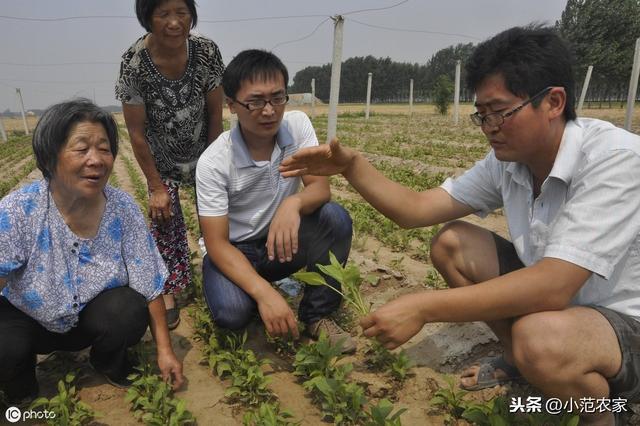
column 258, row 226
column 564, row 296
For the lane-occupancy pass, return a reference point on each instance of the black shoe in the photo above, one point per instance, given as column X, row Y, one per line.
column 119, row 379
column 173, row 317
column 22, row 400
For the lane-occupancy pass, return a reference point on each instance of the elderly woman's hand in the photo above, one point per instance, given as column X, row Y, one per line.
column 160, row 205
column 170, row 368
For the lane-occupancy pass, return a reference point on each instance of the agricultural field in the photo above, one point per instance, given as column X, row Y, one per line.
column 256, row 380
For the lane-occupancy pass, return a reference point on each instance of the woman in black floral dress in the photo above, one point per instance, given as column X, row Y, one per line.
column 169, row 86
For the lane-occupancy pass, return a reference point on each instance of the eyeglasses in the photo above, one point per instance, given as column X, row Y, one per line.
column 496, row 119
column 257, row 104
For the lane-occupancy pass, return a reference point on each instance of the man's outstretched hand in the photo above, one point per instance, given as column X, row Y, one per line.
column 324, row 160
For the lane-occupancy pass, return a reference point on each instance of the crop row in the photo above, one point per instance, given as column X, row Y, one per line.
column 7, row 185
column 18, row 154
column 419, row 140
column 151, row 398
column 227, row 357
column 326, row 378
column 368, row 221
column 139, row 186
column 14, row 143
column 319, row 365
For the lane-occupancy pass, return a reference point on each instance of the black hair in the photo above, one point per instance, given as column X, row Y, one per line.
column 52, row 131
column 145, row 9
column 529, row 59
column 251, row 65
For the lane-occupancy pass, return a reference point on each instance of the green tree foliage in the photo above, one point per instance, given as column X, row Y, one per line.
column 602, row 34
column 444, row 62
column 390, row 79
column 442, row 93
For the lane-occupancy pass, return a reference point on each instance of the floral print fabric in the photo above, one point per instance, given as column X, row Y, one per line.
column 52, row 273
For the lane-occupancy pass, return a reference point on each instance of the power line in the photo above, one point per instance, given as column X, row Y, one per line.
column 17, row 64
column 262, row 18
column 407, row 30
column 209, row 21
column 375, row 9
column 302, row 38
column 301, row 62
column 59, row 82
column 66, row 18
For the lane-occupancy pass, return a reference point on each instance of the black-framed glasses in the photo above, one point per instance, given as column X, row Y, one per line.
column 496, row 119
column 257, row 104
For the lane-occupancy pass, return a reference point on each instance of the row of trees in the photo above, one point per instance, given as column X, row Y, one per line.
column 601, row 32
column 390, row 79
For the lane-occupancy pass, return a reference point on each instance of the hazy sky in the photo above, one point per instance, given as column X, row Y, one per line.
column 51, row 60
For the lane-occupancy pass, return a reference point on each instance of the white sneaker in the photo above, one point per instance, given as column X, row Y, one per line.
column 203, row 248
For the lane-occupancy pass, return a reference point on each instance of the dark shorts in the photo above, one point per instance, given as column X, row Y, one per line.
column 507, row 257
column 626, row 383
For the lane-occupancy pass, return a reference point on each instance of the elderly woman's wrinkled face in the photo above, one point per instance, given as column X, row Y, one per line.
column 85, row 161
column 171, row 22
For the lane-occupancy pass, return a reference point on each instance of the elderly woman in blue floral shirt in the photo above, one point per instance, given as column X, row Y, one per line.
column 78, row 266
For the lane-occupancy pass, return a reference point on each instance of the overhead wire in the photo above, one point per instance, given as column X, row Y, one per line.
column 65, row 18
column 60, row 64
column 407, row 30
column 302, row 38
column 375, row 9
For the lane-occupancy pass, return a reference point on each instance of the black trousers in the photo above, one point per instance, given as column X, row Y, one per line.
column 113, row 321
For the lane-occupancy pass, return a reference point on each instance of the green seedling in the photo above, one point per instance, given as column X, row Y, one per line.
column 320, row 359
column 244, row 369
column 285, row 347
column 350, row 281
column 434, row 280
column 348, row 277
column 398, row 365
column 496, row 412
column 66, row 405
column 376, row 254
column 397, row 263
column 451, row 400
column 372, row 279
column 326, row 379
column 381, row 414
column 268, row 414
column 152, row 400
column 340, row 402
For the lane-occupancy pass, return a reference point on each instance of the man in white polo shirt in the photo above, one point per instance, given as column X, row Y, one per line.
column 259, row 227
column 563, row 296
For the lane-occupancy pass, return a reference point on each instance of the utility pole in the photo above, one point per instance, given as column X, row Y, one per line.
column 633, row 87
column 2, row 132
column 585, row 86
column 366, row 115
column 24, row 118
column 456, row 96
column 313, row 98
column 410, row 97
column 334, row 94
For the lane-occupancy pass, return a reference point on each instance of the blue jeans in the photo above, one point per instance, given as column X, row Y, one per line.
column 326, row 229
